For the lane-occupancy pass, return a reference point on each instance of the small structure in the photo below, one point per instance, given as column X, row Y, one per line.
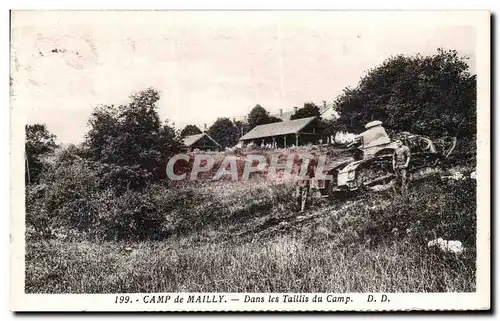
column 202, row 142
column 285, row 134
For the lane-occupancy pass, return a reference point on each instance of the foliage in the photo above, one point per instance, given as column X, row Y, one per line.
column 435, row 208
column 39, row 144
column 74, row 197
column 309, row 110
column 433, row 95
column 327, row 127
column 98, row 189
column 70, row 154
column 170, row 144
column 131, row 140
column 242, row 127
column 224, row 132
column 130, row 216
column 259, row 116
column 63, row 199
column 272, row 119
column 190, row 130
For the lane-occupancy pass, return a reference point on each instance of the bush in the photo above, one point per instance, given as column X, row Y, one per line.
column 436, row 208
column 63, row 199
column 185, row 208
column 38, row 222
column 130, row 216
column 74, row 197
column 123, row 178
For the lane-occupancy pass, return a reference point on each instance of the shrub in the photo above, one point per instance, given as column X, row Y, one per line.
column 132, row 216
column 185, row 208
column 75, row 197
column 38, row 222
column 434, row 208
column 63, row 199
column 122, row 178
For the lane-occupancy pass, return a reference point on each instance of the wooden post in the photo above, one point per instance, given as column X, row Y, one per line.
column 284, row 137
column 27, row 168
column 297, row 140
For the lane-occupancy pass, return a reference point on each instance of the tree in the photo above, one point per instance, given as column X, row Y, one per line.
column 171, row 144
column 126, row 134
column 69, row 154
column 190, row 130
column 39, row 144
column 309, row 110
column 259, row 116
column 224, row 132
column 272, row 119
column 242, row 127
column 327, row 126
column 433, row 95
column 130, row 141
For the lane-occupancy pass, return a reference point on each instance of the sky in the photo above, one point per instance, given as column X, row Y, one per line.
column 207, row 64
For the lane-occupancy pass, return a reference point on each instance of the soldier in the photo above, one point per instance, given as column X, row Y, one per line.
column 304, row 185
column 400, row 162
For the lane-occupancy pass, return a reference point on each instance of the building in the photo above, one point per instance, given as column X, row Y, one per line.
column 201, row 142
column 326, row 110
column 285, row 134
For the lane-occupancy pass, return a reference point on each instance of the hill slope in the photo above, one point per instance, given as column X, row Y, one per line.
column 250, row 238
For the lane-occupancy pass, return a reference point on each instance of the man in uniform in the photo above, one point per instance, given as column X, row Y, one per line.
column 304, row 185
column 400, row 162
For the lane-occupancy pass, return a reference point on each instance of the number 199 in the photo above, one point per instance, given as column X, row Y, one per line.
column 122, row 299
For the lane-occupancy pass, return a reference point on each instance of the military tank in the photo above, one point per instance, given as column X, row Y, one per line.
column 370, row 164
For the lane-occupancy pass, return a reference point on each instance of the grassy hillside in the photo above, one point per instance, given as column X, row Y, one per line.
column 249, row 237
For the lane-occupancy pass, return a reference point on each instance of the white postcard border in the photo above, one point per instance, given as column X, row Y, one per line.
column 20, row 301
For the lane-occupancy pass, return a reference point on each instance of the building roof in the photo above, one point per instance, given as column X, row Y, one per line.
column 190, row 140
column 278, row 129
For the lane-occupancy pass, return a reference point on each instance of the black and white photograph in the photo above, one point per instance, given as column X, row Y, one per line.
column 250, row 161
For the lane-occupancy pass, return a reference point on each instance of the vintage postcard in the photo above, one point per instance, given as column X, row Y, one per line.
column 250, row 160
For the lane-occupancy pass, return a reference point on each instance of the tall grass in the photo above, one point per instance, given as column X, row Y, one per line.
column 250, row 238
column 283, row 264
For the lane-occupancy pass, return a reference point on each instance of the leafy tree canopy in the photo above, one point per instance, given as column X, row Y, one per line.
column 190, row 130
column 433, row 95
column 132, row 139
column 309, row 110
column 39, row 143
column 259, row 116
column 272, row 119
column 224, row 132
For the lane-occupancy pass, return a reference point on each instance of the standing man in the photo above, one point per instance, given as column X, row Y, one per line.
column 304, row 185
column 400, row 162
